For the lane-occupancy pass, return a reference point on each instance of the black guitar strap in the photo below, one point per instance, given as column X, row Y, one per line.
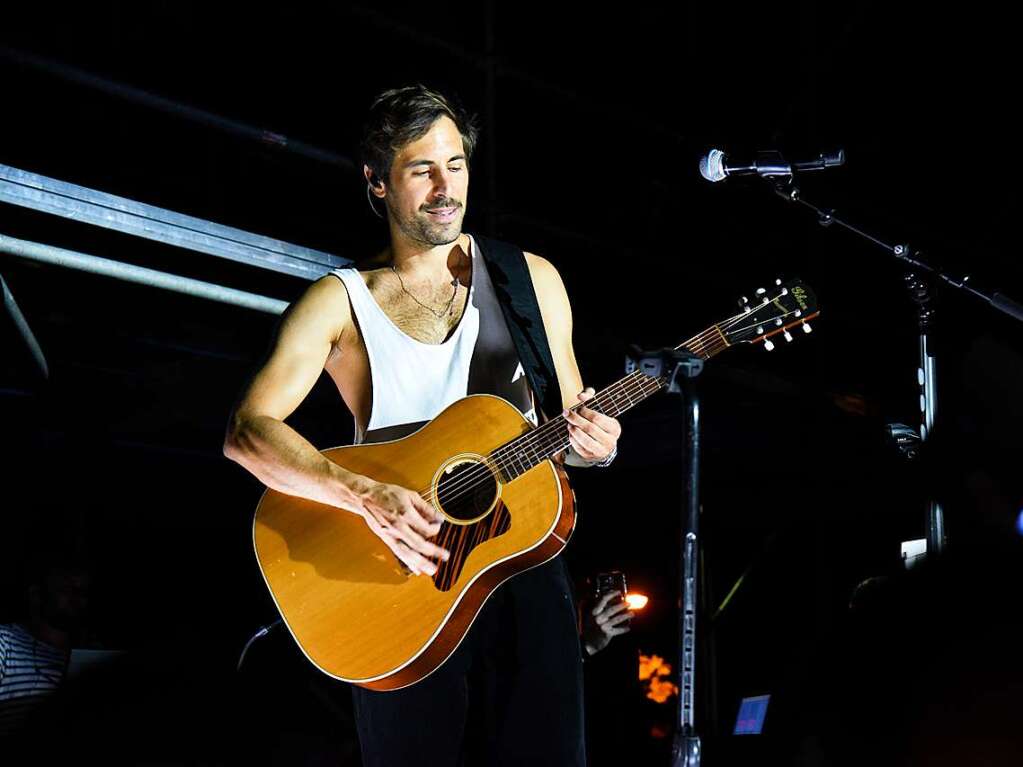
column 517, row 297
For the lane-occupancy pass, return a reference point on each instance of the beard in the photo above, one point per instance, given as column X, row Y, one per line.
column 423, row 229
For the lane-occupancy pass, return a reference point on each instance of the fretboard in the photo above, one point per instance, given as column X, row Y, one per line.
column 533, row 448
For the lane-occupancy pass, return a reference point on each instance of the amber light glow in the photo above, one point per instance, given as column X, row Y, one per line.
column 654, row 671
column 636, row 601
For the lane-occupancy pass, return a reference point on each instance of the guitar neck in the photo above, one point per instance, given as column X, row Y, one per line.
column 536, row 446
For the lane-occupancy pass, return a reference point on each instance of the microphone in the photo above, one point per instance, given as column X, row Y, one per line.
column 716, row 166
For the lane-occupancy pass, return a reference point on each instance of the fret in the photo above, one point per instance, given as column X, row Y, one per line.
column 533, row 459
column 522, row 454
column 614, row 402
column 520, row 459
column 628, row 397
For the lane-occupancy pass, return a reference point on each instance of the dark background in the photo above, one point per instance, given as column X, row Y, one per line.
column 592, row 124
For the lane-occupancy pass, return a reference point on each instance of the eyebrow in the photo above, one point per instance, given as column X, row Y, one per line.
column 430, row 162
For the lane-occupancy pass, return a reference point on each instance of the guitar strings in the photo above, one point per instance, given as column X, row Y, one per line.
column 636, row 383
column 543, row 442
column 705, row 344
column 540, row 441
column 542, row 446
column 552, row 436
column 612, row 390
column 531, row 441
column 539, row 446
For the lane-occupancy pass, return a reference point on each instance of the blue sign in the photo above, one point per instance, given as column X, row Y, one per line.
column 752, row 712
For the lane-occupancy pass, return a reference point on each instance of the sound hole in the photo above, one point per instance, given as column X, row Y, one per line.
column 466, row 491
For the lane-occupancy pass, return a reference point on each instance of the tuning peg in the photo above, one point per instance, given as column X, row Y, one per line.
column 768, row 344
column 788, row 336
column 760, row 291
column 797, row 313
column 779, row 322
column 807, row 328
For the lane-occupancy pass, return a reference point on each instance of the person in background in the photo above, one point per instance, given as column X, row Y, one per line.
column 608, row 618
column 34, row 651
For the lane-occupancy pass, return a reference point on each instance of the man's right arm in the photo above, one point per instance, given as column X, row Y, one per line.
column 282, row 459
column 257, row 437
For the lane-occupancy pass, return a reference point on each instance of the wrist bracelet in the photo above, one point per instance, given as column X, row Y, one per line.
column 610, row 457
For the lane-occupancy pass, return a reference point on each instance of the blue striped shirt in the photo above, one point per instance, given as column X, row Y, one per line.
column 30, row 672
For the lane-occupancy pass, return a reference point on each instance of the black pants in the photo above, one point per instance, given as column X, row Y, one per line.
column 511, row 694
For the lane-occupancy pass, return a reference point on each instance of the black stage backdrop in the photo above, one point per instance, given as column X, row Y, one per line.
column 593, row 121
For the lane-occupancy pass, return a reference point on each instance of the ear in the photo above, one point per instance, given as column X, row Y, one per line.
column 376, row 184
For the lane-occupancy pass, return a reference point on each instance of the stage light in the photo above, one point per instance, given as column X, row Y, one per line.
column 657, row 677
column 1019, row 523
column 636, row 601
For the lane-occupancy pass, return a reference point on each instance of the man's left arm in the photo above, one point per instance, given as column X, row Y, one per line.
column 593, row 435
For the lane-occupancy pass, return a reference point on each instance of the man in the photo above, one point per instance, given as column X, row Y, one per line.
column 402, row 342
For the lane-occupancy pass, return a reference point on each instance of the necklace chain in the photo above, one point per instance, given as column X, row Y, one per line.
column 449, row 309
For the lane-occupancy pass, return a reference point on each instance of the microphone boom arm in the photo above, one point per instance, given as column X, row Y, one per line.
column 903, row 252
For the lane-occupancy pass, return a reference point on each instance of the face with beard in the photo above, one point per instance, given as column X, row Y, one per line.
column 427, row 187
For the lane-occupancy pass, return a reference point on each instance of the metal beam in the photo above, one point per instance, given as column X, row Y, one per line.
column 60, row 198
column 139, row 274
column 21, row 324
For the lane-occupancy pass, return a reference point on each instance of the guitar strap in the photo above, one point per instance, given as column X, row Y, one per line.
column 517, row 297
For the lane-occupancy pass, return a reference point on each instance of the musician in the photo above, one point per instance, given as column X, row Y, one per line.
column 402, row 342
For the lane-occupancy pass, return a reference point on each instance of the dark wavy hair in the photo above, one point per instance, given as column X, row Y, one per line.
column 400, row 116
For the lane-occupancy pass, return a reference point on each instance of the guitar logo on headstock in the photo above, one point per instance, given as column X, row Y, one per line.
column 792, row 304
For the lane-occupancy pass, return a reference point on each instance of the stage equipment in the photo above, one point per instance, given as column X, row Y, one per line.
column 680, row 369
column 12, row 310
column 715, row 165
column 88, row 206
column 918, row 278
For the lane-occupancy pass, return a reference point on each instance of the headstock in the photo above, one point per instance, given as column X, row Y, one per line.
column 771, row 312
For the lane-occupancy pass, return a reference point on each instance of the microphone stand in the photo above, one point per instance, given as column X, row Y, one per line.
column 681, row 368
column 919, row 278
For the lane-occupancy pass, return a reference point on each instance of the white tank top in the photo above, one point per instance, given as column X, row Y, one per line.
column 413, row 381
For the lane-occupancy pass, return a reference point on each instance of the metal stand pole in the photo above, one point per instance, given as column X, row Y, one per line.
column 927, row 378
column 680, row 368
column 686, row 750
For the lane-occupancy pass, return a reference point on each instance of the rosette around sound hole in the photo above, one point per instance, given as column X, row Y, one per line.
column 466, row 491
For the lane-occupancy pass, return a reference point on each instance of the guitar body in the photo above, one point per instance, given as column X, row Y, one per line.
column 351, row 605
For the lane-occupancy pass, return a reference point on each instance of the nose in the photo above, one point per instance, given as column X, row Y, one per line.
column 441, row 182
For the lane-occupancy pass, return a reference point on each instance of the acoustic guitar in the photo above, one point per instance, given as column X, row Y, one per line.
column 358, row 613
